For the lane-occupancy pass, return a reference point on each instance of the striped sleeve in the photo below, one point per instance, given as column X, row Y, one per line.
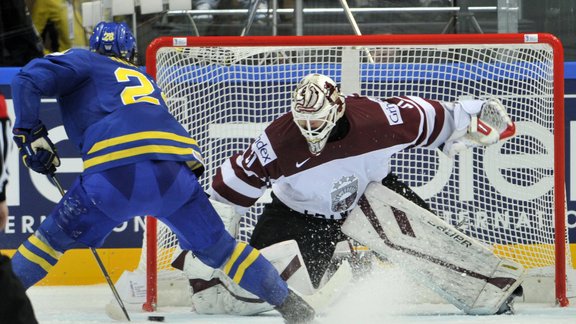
column 435, row 122
column 237, row 182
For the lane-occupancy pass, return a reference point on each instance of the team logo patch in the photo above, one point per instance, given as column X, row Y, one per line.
column 344, row 193
column 263, row 150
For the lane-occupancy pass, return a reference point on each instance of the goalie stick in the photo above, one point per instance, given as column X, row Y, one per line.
column 54, row 180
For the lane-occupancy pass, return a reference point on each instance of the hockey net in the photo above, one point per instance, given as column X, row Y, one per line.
column 225, row 90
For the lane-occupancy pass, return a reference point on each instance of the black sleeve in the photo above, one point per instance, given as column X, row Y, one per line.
column 15, row 306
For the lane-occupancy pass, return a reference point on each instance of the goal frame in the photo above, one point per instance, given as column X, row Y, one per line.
column 412, row 39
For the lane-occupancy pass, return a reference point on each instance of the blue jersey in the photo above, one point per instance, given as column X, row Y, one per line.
column 111, row 110
column 132, row 148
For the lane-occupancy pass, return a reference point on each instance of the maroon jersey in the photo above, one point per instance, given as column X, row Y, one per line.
column 330, row 184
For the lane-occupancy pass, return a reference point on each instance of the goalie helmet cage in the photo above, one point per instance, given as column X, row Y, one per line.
column 511, row 195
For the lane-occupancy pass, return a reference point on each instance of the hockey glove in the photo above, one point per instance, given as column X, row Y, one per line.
column 489, row 124
column 36, row 149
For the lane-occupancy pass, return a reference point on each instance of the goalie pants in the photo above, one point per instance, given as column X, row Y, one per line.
column 316, row 237
column 15, row 307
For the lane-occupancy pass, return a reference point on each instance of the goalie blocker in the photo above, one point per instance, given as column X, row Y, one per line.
column 460, row 269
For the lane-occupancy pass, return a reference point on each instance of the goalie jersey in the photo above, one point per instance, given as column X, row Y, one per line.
column 120, row 118
column 330, row 184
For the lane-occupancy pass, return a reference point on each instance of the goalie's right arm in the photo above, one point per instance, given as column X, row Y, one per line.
column 240, row 181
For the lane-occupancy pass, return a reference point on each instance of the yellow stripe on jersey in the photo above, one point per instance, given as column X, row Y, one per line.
column 244, row 265
column 119, row 60
column 237, row 251
column 44, row 247
column 35, row 258
column 117, row 155
column 141, row 136
column 193, row 165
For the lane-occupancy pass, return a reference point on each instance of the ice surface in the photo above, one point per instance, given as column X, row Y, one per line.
column 377, row 299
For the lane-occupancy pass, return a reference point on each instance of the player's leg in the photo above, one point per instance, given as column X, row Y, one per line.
column 392, row 182
column 212, row 291
column 275, row 236
column 74, row 222
column 200, row 229
column 85, row 216
column 215, row 293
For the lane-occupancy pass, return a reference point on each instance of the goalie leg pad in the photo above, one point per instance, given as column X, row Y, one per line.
column 460, row 269
column 215, row 293
column 229, row 216
column 213, row 297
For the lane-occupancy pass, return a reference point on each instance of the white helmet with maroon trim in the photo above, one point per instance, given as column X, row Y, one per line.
column 316, row 107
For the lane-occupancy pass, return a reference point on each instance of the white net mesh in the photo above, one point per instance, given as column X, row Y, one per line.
column 502, row 195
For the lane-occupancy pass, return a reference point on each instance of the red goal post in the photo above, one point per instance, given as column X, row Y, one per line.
column 228, row 85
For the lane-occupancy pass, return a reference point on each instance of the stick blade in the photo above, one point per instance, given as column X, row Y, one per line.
column 115, row 312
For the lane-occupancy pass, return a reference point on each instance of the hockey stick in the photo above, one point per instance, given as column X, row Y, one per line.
column 55, row 181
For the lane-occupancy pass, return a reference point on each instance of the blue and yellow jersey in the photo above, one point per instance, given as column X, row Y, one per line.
column 111, row 110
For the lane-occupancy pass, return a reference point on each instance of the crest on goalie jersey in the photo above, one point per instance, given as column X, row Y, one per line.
column 344, row 193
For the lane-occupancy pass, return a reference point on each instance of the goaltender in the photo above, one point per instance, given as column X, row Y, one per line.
column 327, row 163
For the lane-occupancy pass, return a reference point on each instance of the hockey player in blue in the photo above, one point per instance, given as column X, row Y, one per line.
column 138, row 160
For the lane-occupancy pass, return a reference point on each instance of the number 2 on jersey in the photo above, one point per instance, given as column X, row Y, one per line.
column 138, row 93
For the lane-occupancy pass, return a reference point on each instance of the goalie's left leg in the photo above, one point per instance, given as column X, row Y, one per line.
column 215, row 293
column 457, row 267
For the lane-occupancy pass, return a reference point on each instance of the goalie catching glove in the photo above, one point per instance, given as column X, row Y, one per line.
column 36, row 149
column 488, row 124
column 491, row 125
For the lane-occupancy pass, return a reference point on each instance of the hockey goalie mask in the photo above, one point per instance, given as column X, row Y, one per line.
column 112, row 39
column 316, row 107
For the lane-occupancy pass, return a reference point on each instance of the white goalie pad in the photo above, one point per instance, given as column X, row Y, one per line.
column 286, row 258
column 229, row 216
column 226, row 297
column 460, row 269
